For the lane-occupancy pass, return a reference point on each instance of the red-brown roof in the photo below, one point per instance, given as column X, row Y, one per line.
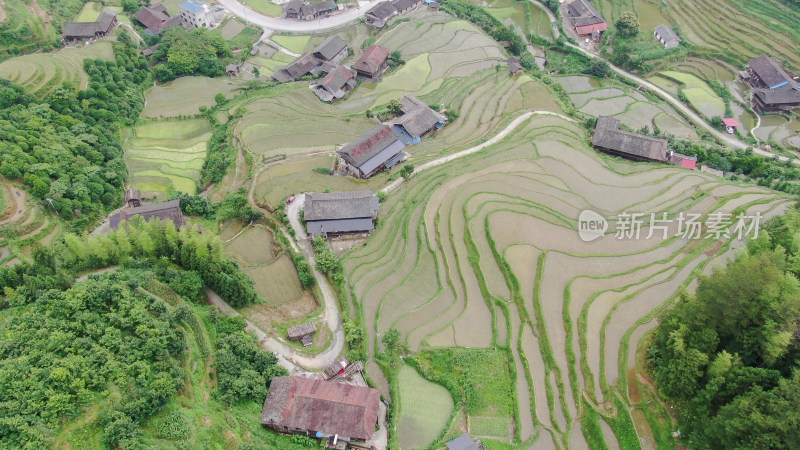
column 372, row 59
column 589, row 29
column 328, row 407
column 731, row 122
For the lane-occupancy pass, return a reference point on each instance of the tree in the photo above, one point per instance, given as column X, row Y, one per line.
column 220, row 98
column 599, row 68
column 391, row 340
column 394, row 107
column 527, row 60
column 628, row 24
column 407, row 170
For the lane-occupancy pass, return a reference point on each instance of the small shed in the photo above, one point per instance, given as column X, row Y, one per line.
column 337, row 367
column 434, row 6
column 666, row 36
column 302, row 333
column 730, row 124
column 514, row 66
column 232, row 70
column 133, row 197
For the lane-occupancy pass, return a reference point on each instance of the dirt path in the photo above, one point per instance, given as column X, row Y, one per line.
column 2, row 13
column 17, row 206
column 498, row 137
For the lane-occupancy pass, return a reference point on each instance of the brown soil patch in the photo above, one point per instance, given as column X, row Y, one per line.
column 713, row 251
column 247, row 436
column 229, row 436
column 2, row 13
column 207, row 421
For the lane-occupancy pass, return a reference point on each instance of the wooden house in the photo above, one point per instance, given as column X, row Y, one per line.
column 372, row 63
column 167, row 211
column 404, row 6
column 608, row 138
column 464, row 442
column 336, row 84
column 337, row 412
column 232, row 70
column 156, row 19
column 585, row 19
column 774, row 90
column 418, row 119
column 371, row 152
column 78, row 31
column 302, row 333
column 338, row 213
column 379, row 14
column 316, row 10
column 332, row 50
column 514, row 66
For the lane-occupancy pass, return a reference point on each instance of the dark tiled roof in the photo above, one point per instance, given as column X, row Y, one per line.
column 80, row 29
column 771, row 72
column 514, row 64
column 301, row 330
column 418, row 119
column 340, row 205
column 368, row 145
column 170, row 210
column 300, row 67
column 608, row 136
column 382, row 11
column 336, row 79
column 784, row 95
column 336, row 366
column 582, row 13
column 402, row 5
column 293, row 6
column 666, row 33
column 330, row 48
column 325, row 406
column 155, row 18
column 372, row 59
column 106, row 20
column 312, row 9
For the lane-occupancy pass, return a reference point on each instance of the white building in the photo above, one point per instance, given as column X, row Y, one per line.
column 197, row 15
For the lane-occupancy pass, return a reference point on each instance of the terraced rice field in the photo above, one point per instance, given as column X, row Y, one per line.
column 522, row 16
column 41, row 72
column 596, row 97
column 186, row 95
column 22, row 224
column 483, row 252
column 167, row 154
column 698, row 92
column 743, row 29
column 424, row 409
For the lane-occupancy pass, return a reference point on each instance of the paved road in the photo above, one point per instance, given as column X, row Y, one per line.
column 278, row 24
column 495, row 139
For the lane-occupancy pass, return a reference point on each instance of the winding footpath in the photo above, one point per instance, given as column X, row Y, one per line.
column 495, row 139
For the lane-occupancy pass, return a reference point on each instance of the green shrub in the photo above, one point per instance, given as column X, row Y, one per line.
column 173, row 426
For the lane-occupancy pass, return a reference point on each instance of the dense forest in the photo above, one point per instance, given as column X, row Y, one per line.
column 154, row 244
column 728, row 356
column 110, row 341
column 67, row 146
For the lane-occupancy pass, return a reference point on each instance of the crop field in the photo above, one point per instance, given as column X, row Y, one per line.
column 41, row 72
column 264, row 7
column 186, row 95
column 483, row 252
column 167, row 154
column 596, row 97
column 295, row 44
column 524, row 17
column 425, row 409
column 698, row 92
column 742, row 29
column 23, row 224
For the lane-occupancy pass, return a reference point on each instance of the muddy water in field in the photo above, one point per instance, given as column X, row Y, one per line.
column 643, row 430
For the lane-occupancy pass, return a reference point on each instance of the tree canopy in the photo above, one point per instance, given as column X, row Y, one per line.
column 728, row 355
column 628, row 24
column 190, row 52
column 67, row 146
